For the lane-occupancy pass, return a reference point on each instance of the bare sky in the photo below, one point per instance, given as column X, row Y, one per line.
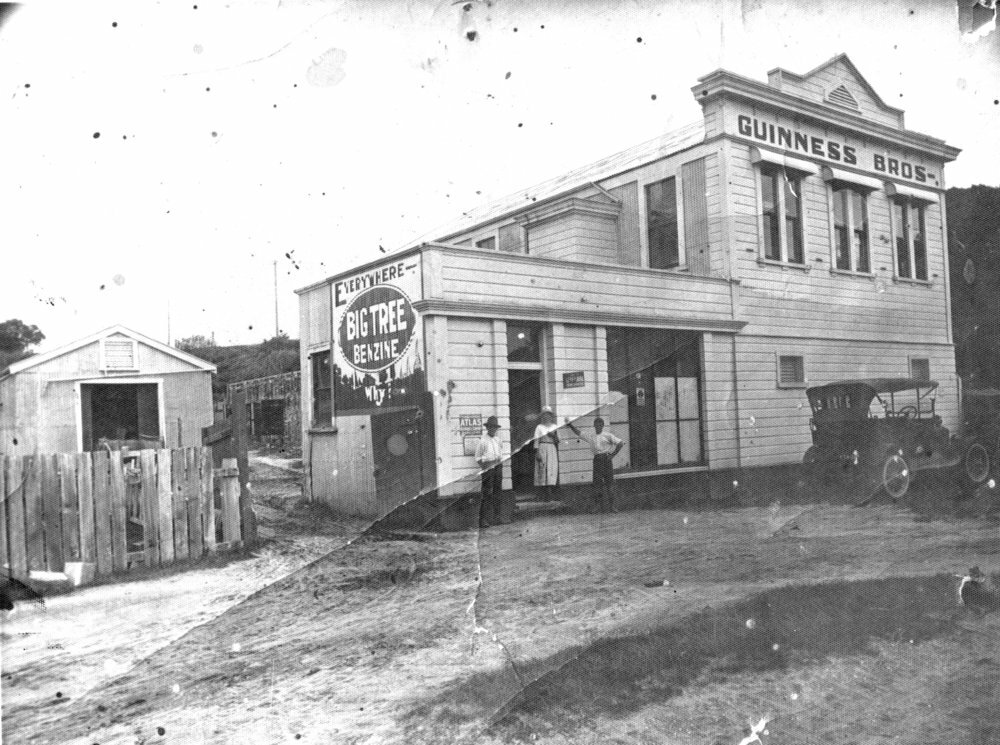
column 234, row 135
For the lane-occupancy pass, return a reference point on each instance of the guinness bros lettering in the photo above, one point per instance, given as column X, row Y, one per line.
column 791, row 139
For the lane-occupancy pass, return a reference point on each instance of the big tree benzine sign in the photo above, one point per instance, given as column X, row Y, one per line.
column 377, row 338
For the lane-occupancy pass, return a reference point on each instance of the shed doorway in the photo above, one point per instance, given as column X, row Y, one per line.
column 525, row 391
column 120, row 415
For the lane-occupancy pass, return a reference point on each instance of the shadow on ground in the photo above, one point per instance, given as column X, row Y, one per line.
column 771, row 631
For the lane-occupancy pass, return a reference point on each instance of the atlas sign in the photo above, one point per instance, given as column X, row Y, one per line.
column 376, row 328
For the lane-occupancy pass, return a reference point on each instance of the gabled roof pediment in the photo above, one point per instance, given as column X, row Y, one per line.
column 40, row 359
column 839, row 84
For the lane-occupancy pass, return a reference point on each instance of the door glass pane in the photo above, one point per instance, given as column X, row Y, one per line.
column 690, row 441
column 687, row 395
column 667, row 453
column 523, row 342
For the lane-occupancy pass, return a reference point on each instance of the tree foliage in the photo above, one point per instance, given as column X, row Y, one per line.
column 16, row 340
column 244, row 361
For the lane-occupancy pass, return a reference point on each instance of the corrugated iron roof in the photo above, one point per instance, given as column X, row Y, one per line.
column 658, row 147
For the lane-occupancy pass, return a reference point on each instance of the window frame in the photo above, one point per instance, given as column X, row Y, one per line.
column 910, row 207
column 314, row 420
column 782, row 176
column 643, row 186
column 834, row 191
column 797, row 384
column 913, row 375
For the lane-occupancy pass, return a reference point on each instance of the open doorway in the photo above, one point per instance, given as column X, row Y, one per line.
column 121, row 415
column 525, row 389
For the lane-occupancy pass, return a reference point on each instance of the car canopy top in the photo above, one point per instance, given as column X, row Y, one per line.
column 853, row 397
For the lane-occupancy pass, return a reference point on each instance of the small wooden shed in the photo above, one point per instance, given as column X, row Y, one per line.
column 116, row 388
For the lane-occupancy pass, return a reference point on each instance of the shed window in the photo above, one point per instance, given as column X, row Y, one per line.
column 910, row 238
column 920, row 368
column 661, row 224
column 524, row 341
column 850, row 229
column 791, row 371
column 119, row 354
column 781, row 213
column 322, row 401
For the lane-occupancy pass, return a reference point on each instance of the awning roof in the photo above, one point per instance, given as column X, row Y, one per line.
column 780, row 159
column 902, row 190
column 855, row 179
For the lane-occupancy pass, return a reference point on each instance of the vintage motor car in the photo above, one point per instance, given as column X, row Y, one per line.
column 884, row 431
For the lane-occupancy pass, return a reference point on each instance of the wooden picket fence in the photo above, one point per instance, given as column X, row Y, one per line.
column 153, row 507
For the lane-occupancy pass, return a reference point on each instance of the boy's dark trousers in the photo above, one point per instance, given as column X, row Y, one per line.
column 489, row 510
column 604, row 481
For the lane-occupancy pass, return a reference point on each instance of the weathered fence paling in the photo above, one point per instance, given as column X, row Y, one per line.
column 114, row 511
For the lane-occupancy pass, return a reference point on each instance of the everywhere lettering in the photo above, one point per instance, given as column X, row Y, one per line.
column 382, row 275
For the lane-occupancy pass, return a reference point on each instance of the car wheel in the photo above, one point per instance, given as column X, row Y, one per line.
column 895, row 476
column 976, row 464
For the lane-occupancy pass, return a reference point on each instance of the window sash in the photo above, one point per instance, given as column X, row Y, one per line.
column 901, row 234
column 322, row 400
column 661, row 224
column 919, row 241
column 781, row 215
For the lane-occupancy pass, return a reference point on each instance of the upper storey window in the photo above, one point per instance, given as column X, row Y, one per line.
column 661, row 224
column 849, row 218
column 909, row 229
column 781, row 198
column 780, row 180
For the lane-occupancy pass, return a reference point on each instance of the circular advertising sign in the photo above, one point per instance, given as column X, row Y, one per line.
column 377, row 328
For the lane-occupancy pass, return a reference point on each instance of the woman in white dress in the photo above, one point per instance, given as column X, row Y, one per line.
column 547, row 453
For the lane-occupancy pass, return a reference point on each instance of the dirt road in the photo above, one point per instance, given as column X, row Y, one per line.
column 645, row 626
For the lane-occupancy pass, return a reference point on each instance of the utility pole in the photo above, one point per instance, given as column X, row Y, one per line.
column 168, row 320
column 276, row 297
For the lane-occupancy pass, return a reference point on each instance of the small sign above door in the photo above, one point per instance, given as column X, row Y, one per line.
column 573, row 380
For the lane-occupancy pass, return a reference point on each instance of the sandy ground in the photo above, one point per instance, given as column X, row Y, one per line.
column 837, row 624
column 52, row 656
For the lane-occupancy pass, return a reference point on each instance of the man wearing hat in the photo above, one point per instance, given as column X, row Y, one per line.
column 489, row 456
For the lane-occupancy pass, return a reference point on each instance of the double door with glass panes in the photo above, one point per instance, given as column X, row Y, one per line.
column 657, row 375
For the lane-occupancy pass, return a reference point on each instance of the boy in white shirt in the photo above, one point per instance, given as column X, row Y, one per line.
column 489, row 456
column 605, row 446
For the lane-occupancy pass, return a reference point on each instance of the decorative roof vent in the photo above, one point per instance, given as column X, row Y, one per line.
column 840, row 96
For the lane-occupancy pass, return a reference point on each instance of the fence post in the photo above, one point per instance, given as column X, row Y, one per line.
column 179, row 505
column 248, row 521
column 166, row 501
column 148, row 504
column 207, row 499
column 118, row 517
column 192, row 484
column 85, row 488
column 102, row 511
column 230, row 489
column 4, row 559
column 70, row 508
column 15, row 518
column 34, row 532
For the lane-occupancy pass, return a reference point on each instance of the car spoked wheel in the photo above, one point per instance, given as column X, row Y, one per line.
column 895, row 475
column 977, row 463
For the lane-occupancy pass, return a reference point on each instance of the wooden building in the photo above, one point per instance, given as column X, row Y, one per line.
column 116, row 388
column 687, row 289
column 273, row 409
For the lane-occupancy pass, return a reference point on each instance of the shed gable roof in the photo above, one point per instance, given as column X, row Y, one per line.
column 40, row 359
